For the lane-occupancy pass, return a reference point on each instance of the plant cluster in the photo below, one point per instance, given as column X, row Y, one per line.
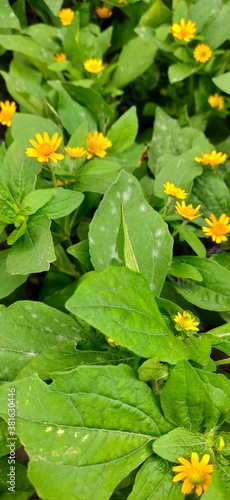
column 115, row 239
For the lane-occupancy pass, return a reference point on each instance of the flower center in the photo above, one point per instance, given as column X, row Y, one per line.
column 184, row 33
column 219, row 229
column 196, row 478
column 45, row 149
column 189, row 212
column 6, row 115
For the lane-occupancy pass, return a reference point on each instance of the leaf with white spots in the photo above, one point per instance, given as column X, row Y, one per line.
column 92, row 426
column 149, row 237
column 29, row 328
column 7, row 16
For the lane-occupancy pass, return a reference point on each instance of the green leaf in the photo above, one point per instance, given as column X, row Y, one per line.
column 223, row 259
column 138, row 50
column 185, row 233
column 101, row 445
column 212, row 193
column 123, row 132
column 149, row 237
column 23, row 488
column 18, row 173
column 216, row 30
column 97, row 176
column 180, row 170
column 151, row 369
column 220, row 484
column 154, row 480
column 28, row 329
column 156, row 15
column 54, row 5
column 183, row 270
column 81, row 252
column 119, row 303
column 223, row 82
column 218, row 387
column 7, row 17
column 179, row 71
column 94, row 102
column 63, row 202
column 202, row 10
column 36, row 199
column 25, row 126
column 34, row 251
column 213, row 293
column 170, row 138
column 4, row 441
column 180, row 442
column 220, row 338
column 187, row 403
column 27, row 47
column 8, row 283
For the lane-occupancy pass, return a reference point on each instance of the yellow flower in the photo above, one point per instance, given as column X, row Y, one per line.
column 221, row 443
column 202, row 53
column 216, row 101
column 94, row 65
column 103, row 12
column 66, row 16
column 171, row 190
column 7, row 111
column 187, row 211
column 76, row 152
column 112, row 341
column 45, row 147
column 97, row 143
column 196, row 474
column 186, row 321
column 183, row 30
column 218, row 228
column 60, row 57
column 212, row 158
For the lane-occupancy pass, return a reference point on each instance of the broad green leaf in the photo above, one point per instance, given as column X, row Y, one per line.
column 170, row 138
column 24, row 79
column 183, row 270
column 47, row 36
column 4, row 441
column 63, row 202
column 101, row 445
column 180, row 442
column 216, row 31
column 71, row 112
column 27, row 47
column 18, row 173
column 25, row 126
column 185, row 233
column 151, row 369
column 123, row 132
column 34, row 251
column 220, row 338
column 64, row 356
column 218, row 387
column 138, row 50
column 154, row 480
column 7, row 205
column 223, row 82
column 27, row 329
column 119, row 303
column 36, row 199
column 222, row 258
column 213, row 293
column 180, row 170
column 202, row 10
column 96, row 176
column 149, row 237
column 179, row 71
column 23, row 488
column 81, row 252
column 8, row 283
column 7, row 16
column 220, row 484
column 54, row 5
column 185, row 400
column 212, row 193
column 156, row 15
column 94, row 102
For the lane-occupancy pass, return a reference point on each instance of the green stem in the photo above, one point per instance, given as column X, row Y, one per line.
column 222, row 362
column 52, row 174
column 176, row 231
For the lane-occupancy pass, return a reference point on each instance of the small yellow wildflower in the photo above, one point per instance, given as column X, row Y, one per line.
column 76, row 152
column 103, row 12
column 7, row 111
column 186, row 321
column 171, row 190
column 97, row 143
column 112, row 341
column 202, row 53
column 187, row 211
column 66, row 16
column 218, row 228
column 45, row 148
column 195, row 474
column 216, row 101
column 221, row 443
column 183, row 30
column 59, row 57
column 212, row 158
column 94, row 65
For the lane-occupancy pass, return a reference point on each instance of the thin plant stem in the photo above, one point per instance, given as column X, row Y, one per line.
column 53, row 174
column 176, row 231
